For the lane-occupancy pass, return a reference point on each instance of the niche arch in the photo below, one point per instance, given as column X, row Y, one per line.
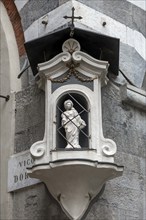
column 83, row 95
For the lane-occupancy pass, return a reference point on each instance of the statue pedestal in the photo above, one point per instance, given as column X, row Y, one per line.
column 75, row 183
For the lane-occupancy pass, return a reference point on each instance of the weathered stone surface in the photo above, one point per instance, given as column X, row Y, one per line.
column 121, row 120
column 29, row 115
column 102, row 210
column 134, row 96
column 134, row 164
column 122, row 11
column 35, row 203
column 35, row 9
column 62, row 1
column 132, row 64
column 125, row 198
column 144, row 83
column 30, row 118
column 24, row 139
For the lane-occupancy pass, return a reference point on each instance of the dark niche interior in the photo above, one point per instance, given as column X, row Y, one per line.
column 81, row 106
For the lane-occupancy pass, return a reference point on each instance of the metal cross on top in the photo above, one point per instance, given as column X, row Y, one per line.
column 72, row 21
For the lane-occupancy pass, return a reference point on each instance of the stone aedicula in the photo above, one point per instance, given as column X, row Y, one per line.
column 74, row 177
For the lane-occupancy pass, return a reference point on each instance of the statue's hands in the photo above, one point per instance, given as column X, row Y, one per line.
column 83, row 124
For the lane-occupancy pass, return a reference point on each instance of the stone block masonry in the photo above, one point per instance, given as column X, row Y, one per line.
column 29, row 118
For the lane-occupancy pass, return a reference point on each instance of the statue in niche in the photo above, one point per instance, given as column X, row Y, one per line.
column 72, row 123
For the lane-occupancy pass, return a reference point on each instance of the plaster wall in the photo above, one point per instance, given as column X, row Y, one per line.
column 9, row 68
column 124, row 197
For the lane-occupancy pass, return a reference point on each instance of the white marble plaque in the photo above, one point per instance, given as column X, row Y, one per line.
column 17, row 173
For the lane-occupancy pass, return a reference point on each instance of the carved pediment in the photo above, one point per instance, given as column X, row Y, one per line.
column 72, row 61
column 96, row 45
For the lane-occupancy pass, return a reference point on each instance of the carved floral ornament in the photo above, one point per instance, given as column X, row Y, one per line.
column 73, row 113
column 71, row 45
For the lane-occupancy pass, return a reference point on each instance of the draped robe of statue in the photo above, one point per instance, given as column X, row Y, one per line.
column 72, row 123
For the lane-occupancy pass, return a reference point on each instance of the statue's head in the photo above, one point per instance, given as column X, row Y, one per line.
column 68, row 104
